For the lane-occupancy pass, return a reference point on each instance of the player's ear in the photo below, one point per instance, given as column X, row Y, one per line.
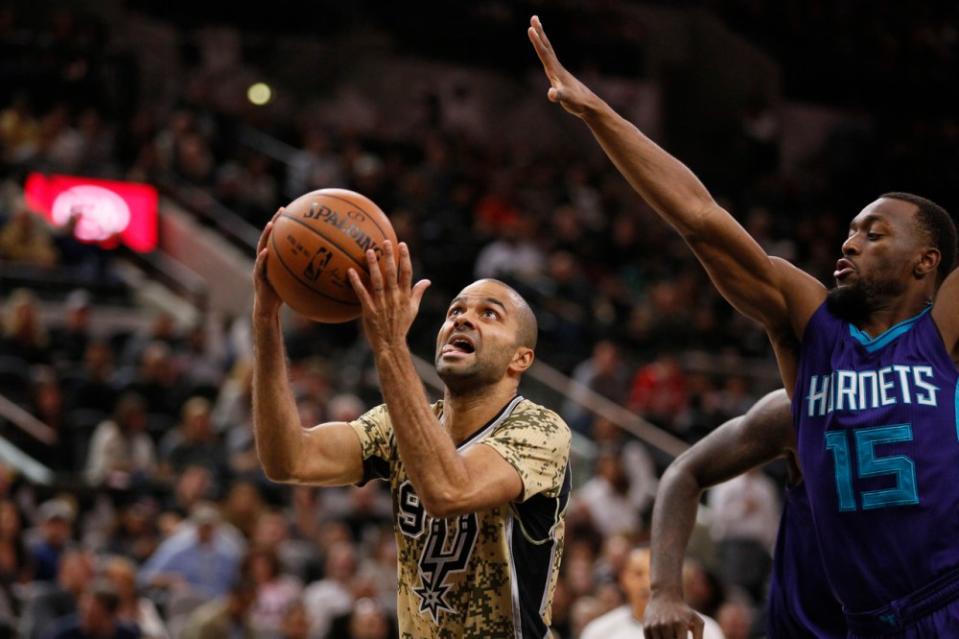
column 928, row 263
column 522, row 360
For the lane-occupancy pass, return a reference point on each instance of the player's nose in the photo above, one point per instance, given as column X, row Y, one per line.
column 851, row 246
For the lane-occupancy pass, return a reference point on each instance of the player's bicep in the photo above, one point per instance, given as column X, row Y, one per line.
column 330, row 455
column 945, row 313
column 493, row 482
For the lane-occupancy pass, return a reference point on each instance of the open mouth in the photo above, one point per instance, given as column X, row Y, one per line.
column 459, row 344
column 844, row 268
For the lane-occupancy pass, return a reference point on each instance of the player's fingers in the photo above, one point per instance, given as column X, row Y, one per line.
column 406, row 267
column 376, row 276
column 544, row 55
column 366, row 301
column 388, row 264
column 264, row 237
column 541, row 32
column 418, row 291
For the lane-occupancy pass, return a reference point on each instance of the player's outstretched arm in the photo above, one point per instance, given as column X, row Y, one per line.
column 946, row 313
column 447, row 482
column 328, row 454
column 766, row 289
column 761, row 435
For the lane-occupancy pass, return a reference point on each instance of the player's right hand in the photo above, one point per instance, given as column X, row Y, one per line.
column 671, row 618
column 565, row 88
column 266, row 303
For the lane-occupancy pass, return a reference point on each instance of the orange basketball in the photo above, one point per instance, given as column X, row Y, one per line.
column 315, row 241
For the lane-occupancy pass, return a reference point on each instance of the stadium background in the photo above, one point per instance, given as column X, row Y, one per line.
column 795, row 114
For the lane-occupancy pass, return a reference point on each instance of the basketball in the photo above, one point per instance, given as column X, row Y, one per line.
column 314, row 243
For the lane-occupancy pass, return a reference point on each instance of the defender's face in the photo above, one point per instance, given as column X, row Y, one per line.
column 883, row 243
column 479, row 337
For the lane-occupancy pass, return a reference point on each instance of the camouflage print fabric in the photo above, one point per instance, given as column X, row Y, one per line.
column 490, row 573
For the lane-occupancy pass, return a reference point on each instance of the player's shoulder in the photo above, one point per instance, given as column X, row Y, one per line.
column 379, row 415
column 535, row 416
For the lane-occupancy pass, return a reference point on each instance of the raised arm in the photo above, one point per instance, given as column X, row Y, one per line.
column 446, row 481
column 761, row 435
column 328, row 454
column 766, row 289
column 946, row 313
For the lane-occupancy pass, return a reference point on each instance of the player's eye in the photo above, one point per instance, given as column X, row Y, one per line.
column 454, row 311
column 872, row 237
column 490, row 313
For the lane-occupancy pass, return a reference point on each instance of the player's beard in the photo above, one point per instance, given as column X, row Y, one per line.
column 485, row 370
column 856, row 302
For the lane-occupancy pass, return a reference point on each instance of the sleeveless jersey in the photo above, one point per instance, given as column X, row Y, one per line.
column 800, row 602
column 485, row 574
column 878, row 436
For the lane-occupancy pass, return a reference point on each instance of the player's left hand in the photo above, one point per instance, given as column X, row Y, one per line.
column 391, row 303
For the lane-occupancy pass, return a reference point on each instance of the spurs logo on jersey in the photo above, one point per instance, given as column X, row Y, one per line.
column 447, row 550
column 456, row 575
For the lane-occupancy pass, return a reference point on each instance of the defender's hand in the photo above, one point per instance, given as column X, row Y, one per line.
column 391, row 304
column 671, row 618
column 266, row 303
column 572, row 94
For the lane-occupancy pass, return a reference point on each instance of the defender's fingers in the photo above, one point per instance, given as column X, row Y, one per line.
column 264, row 237
column 541, row 32
column 542, row 52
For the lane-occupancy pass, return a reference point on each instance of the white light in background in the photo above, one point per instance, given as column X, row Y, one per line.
column 259, row 93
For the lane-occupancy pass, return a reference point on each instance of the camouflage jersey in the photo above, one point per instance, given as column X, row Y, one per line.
column 490, row 573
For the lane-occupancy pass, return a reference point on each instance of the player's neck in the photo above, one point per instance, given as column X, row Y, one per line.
column 899, row 310
column 465, row 413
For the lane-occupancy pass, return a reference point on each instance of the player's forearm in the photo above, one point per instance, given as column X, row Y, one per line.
column 276, row 424
column 674, row 517
column 664, row 182
column 435, row 469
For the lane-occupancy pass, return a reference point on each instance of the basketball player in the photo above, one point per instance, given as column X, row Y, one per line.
column 869, row 364
column 799, row 604
column 480, row 480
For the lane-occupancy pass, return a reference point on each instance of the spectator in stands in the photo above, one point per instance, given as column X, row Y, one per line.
column 121, row 452
column 745, row 519
column 201, row 557
column 96, row 617
column 91, row 387
column 243, row 507
column 367, row 620
column 296, row 624
column 194, row 443
column 133, row 611
column 23, row 334
column 275, row 592
column 659, row 390
column 56, row 529
column 333, row 595
column 604, row 373
column 69, row 341
column 609, row 497
column 46, row 404
column 26, row 239
column 50, row 601
column 736, row 620
column 226, row 616
column 626, row 622
column 155, row 381
column 15, row 567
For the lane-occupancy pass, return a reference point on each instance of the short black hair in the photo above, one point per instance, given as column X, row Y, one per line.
column 938, row 225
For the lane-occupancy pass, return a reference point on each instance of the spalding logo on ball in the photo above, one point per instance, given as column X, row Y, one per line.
column 315, row 241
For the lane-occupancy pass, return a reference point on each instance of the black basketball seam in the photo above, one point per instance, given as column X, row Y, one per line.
column 345, row 253
column 279, row 257
column 364, row 211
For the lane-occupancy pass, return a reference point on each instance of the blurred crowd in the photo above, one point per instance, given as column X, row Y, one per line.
column 160, row 521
